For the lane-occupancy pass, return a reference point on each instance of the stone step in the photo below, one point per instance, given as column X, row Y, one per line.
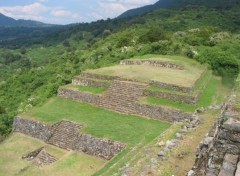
column 83, row 81
column 122, row 96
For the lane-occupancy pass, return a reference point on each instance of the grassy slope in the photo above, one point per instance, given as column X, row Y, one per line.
column 17, row 145
column 100, row 122
column 208, row 96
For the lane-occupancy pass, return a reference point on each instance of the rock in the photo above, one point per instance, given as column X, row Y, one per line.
column 200, row 110
column 229, row 165
column 166, row 149
column 160, row 144
column 170, row 144
column 190, row 173
column 232, row 125
column 161, row 153
column 208, row 140
column 238, row 169
column 178, row 136
column 153, row 161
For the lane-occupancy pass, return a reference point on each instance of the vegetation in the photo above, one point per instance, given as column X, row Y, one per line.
column 11, row 162
column 28, row 77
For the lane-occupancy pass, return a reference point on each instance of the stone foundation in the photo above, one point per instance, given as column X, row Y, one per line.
column 219, row 153
column 66, row 135
column 32, row 128
column 155, row 63
column 161, row 113
column 103, row 148
column 82, row 81
column 80, row 96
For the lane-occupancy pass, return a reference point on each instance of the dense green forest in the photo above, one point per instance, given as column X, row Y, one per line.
column 34, row 64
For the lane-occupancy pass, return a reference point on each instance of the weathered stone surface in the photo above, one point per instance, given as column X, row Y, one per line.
column 122, row 96
column 238, row 169
column 155, row 63
column 76, row 95
column 183, row 98
column 232, row 125
column 32, row 128
column 98, row 76
column 82, row 81
column 98, row 147
column 171, row 86
column 229, row 165
column 162, row 113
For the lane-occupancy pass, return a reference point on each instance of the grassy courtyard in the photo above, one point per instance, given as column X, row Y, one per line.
column 12, row 149
column 99, row 122
column 186, row 77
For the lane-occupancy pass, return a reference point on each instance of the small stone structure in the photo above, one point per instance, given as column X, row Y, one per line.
column 155, row 63
column 161, row 113
column 82, row 81
column 66, row 135
column 40, row 157
column 76, row 95
column 219, row 153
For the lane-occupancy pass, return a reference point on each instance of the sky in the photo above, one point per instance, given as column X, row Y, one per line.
column 68, row 11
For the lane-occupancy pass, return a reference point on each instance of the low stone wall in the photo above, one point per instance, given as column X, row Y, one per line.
column 98, row 76
column 81, row 81
column 103, row 148
column 155, row 63
column 32, row 128
column 219, row 153
column 183, row 98
column 189, row 98
column 91, row 145
column 78, row 95
column 162, row 113
column 171, row 86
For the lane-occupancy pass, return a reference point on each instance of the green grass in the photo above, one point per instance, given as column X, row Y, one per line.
column 205, row 100
column 94, row 90
column 69, row 163
column 99, row 122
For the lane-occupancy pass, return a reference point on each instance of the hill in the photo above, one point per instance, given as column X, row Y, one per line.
column 6, row 21
column 176, row 4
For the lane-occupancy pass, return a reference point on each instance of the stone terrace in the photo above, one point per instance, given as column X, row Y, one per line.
column 122, row 96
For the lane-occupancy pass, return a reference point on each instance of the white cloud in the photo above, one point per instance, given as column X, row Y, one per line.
column 113, row 8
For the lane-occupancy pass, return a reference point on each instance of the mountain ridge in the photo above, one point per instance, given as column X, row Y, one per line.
column 6, row 21
column 166, row 4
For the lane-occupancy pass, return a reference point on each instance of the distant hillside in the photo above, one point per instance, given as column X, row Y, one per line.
column 222, row 4
column 10, row 22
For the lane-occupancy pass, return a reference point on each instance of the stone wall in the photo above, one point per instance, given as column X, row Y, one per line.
column 80, row 96
column 219, row 153
column 81, row 81
column 162, row 113
column 98, row 76
column 171, row 86
column 103, row 148
column 189, row 98
column 183, row 98
column 66, row 136
column 32, row 128
column 155, row 63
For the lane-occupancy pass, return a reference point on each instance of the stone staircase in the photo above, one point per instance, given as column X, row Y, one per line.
column 64, row 134
column 44, row 159
column 122, row 96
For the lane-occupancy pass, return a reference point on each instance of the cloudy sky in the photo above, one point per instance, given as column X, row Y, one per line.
column 68, row 11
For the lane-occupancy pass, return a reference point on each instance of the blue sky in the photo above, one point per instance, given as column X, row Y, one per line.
column 68, row 11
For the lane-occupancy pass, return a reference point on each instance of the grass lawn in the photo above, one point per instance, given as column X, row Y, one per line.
column 94, row 90
column 69, row 163
column 186, row 77
column 207, row 98
column 99, row 122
